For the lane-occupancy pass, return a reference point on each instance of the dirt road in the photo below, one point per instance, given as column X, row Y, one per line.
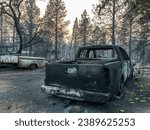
column 20, row 92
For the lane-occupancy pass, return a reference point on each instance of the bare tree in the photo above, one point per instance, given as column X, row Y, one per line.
column 12, row 8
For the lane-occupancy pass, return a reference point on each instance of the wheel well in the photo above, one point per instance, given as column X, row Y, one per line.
column 34, row 64
column 122, row 77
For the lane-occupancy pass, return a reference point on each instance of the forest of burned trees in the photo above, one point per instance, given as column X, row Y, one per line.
column 23, row 30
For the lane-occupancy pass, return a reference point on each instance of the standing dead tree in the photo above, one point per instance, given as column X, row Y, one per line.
column 12, row 8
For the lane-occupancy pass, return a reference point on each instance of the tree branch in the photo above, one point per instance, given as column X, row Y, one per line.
column 27, row 45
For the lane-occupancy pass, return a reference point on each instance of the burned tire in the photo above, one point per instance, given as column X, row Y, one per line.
column 121, row 92
column 33, row 66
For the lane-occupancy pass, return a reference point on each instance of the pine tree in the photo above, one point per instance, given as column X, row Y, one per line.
column 75, row 35
column 55, row 22
column 98, row 37
column 85, row 27
column 30, row 19
column 124, row 33
column 108, row 15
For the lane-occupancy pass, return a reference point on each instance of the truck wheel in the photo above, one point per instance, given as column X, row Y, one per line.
column 120, row 94
column 33, row 66
column 121, row 91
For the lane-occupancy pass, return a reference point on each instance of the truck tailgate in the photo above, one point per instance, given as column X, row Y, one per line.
column 86, row 77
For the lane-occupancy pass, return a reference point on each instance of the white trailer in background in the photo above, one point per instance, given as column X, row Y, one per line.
column 23, row 61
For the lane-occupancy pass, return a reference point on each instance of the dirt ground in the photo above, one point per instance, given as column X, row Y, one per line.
column 20, row 93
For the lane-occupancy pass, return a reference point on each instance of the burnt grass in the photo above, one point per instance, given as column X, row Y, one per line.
column 137, row 96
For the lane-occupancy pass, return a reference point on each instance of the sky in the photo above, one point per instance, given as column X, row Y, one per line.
column 74, row 8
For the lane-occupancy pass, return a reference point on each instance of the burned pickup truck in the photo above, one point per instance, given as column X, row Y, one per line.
column 97, row 74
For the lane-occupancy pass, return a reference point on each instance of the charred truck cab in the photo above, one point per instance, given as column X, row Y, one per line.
column 97, row 74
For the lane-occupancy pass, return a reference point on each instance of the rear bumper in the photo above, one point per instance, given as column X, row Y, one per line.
column 76, row 94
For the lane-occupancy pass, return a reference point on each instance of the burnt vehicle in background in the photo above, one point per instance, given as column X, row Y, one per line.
column 97, row 74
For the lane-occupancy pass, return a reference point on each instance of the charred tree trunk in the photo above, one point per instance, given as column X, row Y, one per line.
column 113, row 23
column 56, row 32
column 130, row 39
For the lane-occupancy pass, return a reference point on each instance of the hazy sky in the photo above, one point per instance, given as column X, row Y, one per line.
column 74, row 8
